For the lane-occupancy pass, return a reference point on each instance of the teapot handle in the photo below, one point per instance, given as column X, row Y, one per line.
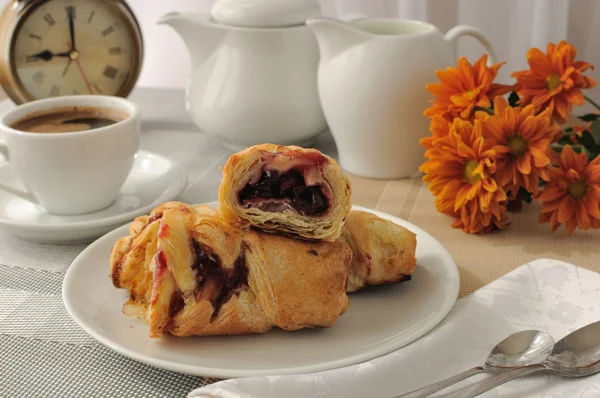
column 461, row 30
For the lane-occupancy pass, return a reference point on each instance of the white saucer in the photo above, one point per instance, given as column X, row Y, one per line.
column 154, row 179
column 379, row 320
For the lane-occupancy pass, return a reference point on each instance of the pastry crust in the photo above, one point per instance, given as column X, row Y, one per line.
column 382, row 252
column 317, row 170
column 190, row 273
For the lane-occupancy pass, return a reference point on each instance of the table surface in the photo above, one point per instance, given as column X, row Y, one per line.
column 39, row 340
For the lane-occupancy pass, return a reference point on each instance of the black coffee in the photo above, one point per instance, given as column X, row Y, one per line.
column 69, row 119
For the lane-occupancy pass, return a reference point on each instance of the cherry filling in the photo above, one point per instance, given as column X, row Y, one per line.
column 284, row 189
column 155, row 217
column 217, row 284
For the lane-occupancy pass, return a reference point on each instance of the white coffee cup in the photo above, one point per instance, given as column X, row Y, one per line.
column 76, row 172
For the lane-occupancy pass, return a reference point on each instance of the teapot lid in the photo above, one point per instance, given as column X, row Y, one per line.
column 264, row 13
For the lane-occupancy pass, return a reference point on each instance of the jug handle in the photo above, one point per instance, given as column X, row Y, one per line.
column 466, row 30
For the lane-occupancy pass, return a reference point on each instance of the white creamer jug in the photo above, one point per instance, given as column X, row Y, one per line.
column 372, row 78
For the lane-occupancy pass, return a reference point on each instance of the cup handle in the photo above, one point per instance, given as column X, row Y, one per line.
column 466, row 30
column 14, row 191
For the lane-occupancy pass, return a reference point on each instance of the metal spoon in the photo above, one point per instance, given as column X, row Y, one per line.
column 520, row 349
column 576, row 355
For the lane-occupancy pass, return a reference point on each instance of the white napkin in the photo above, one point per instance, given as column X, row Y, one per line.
column 548, row 295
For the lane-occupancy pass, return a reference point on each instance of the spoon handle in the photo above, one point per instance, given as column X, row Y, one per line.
column 494, row 381
column 440, row 385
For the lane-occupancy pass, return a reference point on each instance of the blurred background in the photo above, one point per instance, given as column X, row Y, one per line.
column 513, row 26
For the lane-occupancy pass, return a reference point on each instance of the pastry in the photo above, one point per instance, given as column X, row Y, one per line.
column 382, row 252
column 190, row 273
column 285, row 189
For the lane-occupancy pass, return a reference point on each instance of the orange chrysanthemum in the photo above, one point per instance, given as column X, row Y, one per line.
column 464, row 87
column 520, row 139
column 460, row 172
column 572, row 196
column 554, row 80
column 439, row 128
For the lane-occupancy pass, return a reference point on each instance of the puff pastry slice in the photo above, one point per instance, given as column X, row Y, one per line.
column 190, row 273
column 285, row 189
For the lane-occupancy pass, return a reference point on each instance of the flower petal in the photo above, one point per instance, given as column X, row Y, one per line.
column 566, row 209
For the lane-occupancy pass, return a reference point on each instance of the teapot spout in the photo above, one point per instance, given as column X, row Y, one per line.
column 201, row 37
column 335, row 36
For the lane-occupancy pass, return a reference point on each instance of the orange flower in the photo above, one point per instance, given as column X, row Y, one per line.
column 439, row 128
column 520, row 139
column 554, row 80
column 463, row 88
column 572, row 197
column 460, row 173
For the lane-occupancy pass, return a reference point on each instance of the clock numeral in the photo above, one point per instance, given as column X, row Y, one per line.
column 110, row 72
column 35, row 36
column 108, row 31
column 91, row 16
column 114, row 50
column 48, row 18
column 38, row 77
column 97, row 88
column 31, row 58
column 71, row 11
column 54, row 91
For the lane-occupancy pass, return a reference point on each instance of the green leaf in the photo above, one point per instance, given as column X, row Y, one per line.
column 565, row 140
column 483, row 109
column 513, row 99
column 589, row 117
column 593, row 155
column 596, row 129
column 580, row 149
column 587, row 140
column 556, row 147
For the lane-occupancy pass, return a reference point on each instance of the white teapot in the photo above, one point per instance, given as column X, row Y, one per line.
column 254, row 71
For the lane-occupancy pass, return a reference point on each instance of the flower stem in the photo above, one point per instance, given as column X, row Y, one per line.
column 591, row 101
column 486, row 110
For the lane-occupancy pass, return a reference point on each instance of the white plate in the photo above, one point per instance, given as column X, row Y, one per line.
column 378, row 321
column 154, row 179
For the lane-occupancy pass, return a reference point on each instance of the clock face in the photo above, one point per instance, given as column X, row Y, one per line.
column 66, row 47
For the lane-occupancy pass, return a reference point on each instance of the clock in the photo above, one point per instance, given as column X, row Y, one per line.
column 51, row 48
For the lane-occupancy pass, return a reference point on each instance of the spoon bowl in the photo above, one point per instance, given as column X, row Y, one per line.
column 577, row 354
column 527, row 347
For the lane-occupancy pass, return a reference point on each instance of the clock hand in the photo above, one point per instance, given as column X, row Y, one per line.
column 85, row 80
column 71, row 26
column 47, row 55
column 67, row 67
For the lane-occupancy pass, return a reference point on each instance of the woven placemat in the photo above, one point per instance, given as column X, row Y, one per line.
column 45, row 354
column 481, row 259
